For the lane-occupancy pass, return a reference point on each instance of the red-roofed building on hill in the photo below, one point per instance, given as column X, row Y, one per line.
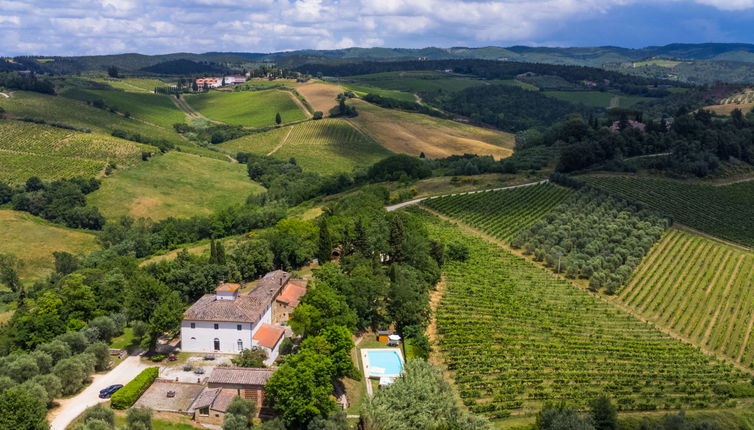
column 229, row 322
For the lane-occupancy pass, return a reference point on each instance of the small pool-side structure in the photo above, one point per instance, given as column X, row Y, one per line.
column 382, row 362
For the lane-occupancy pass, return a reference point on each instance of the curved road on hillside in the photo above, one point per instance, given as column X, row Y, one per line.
column 413, row 202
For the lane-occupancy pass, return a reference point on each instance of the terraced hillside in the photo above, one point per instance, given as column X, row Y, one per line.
column 247, row 108
column 33, row 240
column 514, row 336
column 502, row 214
column 413, row 133
column 726, row 212
column 28, row 149
column 325, row 146
column 701, row 289
column 78, row 114
column 174, row 184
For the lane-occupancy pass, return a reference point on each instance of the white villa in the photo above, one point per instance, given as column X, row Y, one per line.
column 229, row 322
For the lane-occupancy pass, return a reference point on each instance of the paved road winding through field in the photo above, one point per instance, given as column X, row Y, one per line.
column 413, row 202
column 69, row 409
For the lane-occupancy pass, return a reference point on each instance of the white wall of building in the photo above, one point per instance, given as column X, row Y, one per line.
column 201, row 338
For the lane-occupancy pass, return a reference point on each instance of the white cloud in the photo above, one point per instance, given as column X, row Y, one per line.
column 66, row 27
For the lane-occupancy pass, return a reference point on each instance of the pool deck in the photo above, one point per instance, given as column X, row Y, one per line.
column 365, row 365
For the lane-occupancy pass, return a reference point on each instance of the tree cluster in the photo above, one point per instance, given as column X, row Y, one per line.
column 595, row 237
column 16, row 81
column 213, row 134
column 62, row 201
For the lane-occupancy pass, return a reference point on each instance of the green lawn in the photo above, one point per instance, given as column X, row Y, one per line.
column 174, row 184
column 257, row 143
column 78, row 114
column 247, row 108
column 155, row 108
column 363, row 90
column 139, row 85
column 123, row 341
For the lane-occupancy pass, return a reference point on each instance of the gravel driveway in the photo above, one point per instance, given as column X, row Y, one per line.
column 71, row 408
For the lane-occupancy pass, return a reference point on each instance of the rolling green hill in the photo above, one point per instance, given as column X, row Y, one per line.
column 247, row 108
column 174, row 184
column 153, row 108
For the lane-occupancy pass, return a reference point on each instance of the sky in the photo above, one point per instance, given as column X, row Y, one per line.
column 89, row 27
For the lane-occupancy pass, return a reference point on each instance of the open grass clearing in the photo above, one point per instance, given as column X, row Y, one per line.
column 174, row 184
column 247, row 108
column 33, row 240
column 139, row 85
column 413, row 133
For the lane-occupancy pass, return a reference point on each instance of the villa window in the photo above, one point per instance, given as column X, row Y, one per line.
column 240, row 345
column 217, row 326
column 204, row 411
column 193, row 325
column 238, row 327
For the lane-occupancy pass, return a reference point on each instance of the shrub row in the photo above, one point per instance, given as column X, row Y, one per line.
column 127, row 396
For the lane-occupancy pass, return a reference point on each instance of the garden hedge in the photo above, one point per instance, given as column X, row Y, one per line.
column 130, row 393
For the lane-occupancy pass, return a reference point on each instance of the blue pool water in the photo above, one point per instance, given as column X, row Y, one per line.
column 385, row 362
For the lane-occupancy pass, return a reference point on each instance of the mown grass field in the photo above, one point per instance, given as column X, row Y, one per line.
column 78, row 114
column 325, row 146
column 726, row 212
column 174, row 184
column 413, row 133
column 700, row 288
column 248, row 108
column 139, row 85
column 320, row 96
column 501, row 213
column 154, row 108
column 514, row 336
column 33, row 240
column 28, row 149
column 363, row 90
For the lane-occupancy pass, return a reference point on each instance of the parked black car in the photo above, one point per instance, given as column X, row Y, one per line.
column 109, row 391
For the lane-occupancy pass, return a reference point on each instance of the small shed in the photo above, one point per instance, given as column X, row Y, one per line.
column 383, row 336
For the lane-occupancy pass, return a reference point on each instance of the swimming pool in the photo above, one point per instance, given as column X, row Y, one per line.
column 382, row 362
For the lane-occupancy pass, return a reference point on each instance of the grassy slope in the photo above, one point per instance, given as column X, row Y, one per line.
column 320, row 96
column 413, row 81
column 138, row 85
column 33, row 240
column 412, row 133
column 154, row 108
column 28, row 149
column 174, row 184
column 79, row 114
column 247, row 108
column 726, row 212
column 325, row 146
column 701, row 289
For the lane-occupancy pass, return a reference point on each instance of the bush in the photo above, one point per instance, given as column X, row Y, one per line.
column 458, row 251
column 100, row 412
column 157, row 358
column 127, row 396
column 139, row 418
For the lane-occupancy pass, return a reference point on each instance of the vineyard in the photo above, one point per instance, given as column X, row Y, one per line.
column 330, row 146
column 257, row 143
column 502, row 213
column 78, row 114
column 514, row 336
column 701, row 289
column 726, row 212
column 28, row 149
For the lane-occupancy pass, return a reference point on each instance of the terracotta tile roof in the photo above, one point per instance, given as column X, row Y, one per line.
column 269, row 335
column 292, row 293
column 225, row 286
column 205, row 398
column 245, row 308
column 239, row 376
column 223, row 399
